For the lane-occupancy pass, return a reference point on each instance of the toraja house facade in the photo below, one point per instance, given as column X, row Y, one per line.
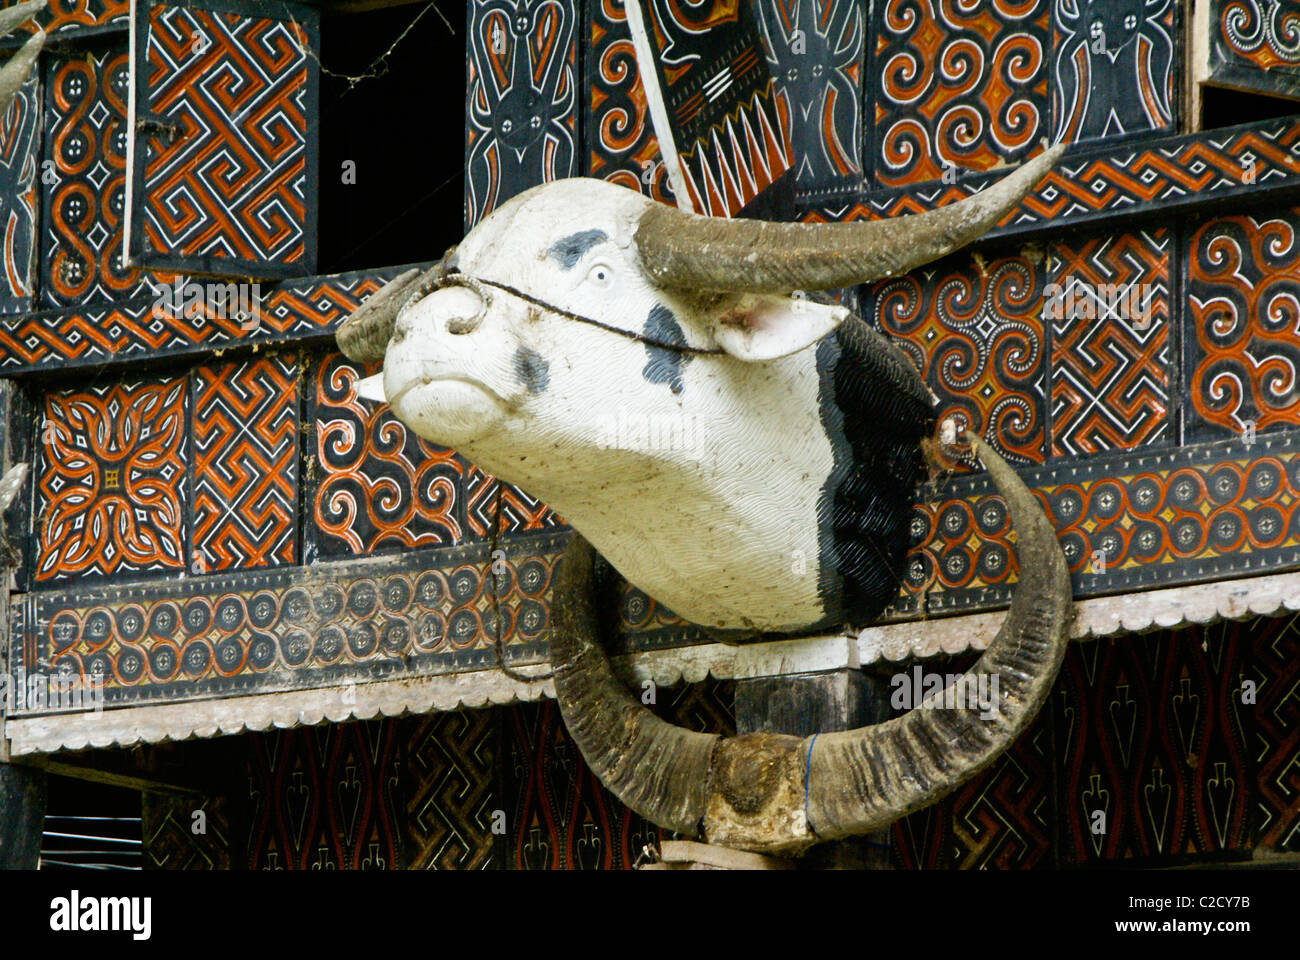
column 332, row 637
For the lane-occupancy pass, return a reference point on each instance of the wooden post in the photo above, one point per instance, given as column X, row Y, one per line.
column 22, row 789
column 808, row 703
column 22, row 816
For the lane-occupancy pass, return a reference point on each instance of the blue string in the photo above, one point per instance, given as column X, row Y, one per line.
column 807, row 777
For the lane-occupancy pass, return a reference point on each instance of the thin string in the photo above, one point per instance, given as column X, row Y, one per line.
column 450, row 280
column 807, row 781
column 497, row 639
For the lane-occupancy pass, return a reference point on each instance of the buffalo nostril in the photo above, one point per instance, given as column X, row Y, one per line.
column 462, row 325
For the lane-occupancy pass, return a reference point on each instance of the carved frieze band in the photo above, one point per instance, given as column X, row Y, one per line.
column 172, row 325
column 420, row 614
column 1247, row 164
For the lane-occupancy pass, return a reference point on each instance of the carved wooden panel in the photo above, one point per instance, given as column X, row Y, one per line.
column 974, row 330
column 1242, row 343
column 245, row 474
column 80, row 16
column 522, row 110
column 1251, row 45
column 621, row 138
column 729, row 129
column 815, row 51
column 224, row 160
column 960, row 85
column 83, row 190
column 111, row 491
column 1112, row 364
column 20, row 146
column 1114, row 67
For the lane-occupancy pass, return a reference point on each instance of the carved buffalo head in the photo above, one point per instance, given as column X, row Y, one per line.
column 742, row 453
column 745, row 455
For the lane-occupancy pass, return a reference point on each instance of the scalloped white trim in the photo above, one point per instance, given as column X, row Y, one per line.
column 1094, row 619
column 1201, row 603
column 213, row 718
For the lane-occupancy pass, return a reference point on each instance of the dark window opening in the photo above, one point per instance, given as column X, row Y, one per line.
column 91, row 826
column 400, row 132
column 1229, row 108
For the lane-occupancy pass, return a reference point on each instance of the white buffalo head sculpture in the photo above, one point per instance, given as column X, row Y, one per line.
column 745, row 455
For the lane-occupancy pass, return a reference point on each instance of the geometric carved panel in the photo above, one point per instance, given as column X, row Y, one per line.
column 974, row 330
column 1275, row 748
column 623, row 148
column 111, row 472
column 1003, row 819
column 245, row 437
column 20, row 140
column 1110, row 353
column 224, row 161
column 234, row 632
column 326, row 798
column 83, row 193
column 1254, row 45
column 449, row 779
column 121, row 330
column 1125, row 520
column 728, row 127
column 558, row 816
column 378, row 487
column 1151, row 744
column 1154, row 177
column 82, row 16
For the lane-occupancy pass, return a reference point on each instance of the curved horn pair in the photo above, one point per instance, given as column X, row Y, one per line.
column 772, row 793
column 705, row 253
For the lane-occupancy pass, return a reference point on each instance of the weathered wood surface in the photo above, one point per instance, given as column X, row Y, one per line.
column 689, row 855
column 22, row 816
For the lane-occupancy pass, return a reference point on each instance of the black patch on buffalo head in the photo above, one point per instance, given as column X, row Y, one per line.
column 664, row 365
column 571, row 249
column 532, row 370
column 875, row 410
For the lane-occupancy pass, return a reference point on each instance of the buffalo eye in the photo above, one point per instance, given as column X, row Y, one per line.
column 600, row 275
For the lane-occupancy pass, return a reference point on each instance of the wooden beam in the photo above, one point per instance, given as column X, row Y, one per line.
column 804, row 704
column 112, row 778
column 22, row 816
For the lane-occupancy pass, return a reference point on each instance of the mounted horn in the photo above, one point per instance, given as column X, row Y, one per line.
column 685, row 250
column 772, row 793
column 363, row 337
column 14, row 73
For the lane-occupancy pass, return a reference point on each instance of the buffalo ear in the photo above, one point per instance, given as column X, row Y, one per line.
column 760, row 327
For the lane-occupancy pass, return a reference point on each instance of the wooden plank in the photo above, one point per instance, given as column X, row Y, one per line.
column 687, row 854
column 111, row 778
